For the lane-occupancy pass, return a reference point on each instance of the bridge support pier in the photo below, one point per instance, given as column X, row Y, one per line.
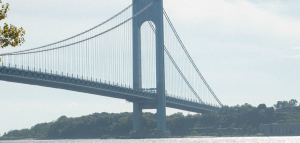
column 137, row 117
column 137, row 121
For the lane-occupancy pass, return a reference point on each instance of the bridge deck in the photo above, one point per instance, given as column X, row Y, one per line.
column 97, row 88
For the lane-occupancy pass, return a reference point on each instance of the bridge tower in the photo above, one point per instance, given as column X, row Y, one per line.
column 154, row 14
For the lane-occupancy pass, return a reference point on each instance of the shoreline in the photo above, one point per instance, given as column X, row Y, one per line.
column 127, row 137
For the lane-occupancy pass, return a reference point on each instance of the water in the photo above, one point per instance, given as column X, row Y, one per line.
column 175, row 140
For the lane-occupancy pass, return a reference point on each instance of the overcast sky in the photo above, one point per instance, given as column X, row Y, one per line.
column 248, row 51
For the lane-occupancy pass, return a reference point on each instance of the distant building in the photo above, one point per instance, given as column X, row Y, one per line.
column 280, row 129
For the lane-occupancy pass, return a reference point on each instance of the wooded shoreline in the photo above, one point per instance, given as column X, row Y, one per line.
column 235, row 121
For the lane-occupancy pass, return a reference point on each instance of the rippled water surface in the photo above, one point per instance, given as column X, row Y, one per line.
column 176, row 140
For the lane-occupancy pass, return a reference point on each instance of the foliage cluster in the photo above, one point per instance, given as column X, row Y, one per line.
column 10, row 35
column 284, row 104
column 229, row 121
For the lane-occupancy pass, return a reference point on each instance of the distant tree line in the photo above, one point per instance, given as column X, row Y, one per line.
column 228, row 121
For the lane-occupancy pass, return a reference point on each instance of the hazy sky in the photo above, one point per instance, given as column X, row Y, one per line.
column 248, row 51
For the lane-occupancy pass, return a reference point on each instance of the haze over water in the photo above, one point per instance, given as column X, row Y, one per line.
column 174, row 140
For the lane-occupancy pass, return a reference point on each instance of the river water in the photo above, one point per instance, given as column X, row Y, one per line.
column 175, row 140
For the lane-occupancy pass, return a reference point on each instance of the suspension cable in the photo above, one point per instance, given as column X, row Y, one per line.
column 174, row 63
column 79, row 33
column 189, row 57
column 118, row 25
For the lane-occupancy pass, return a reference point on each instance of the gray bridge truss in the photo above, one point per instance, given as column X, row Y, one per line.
column 60, row 81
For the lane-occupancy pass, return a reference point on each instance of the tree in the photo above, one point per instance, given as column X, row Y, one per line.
column 281, row 104
column 10, row 35
column 293, row 102
column 261, row 106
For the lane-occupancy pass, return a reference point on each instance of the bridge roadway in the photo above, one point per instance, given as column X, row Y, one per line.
column 148, row 100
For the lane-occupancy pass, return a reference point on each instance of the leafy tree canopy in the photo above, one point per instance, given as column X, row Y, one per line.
column 10, row 35
column 281, row 104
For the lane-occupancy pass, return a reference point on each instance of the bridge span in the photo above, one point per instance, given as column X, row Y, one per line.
column 148, row 99
column 135, row 55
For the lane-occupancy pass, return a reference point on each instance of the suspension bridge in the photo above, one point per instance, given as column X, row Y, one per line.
column 135, row 55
